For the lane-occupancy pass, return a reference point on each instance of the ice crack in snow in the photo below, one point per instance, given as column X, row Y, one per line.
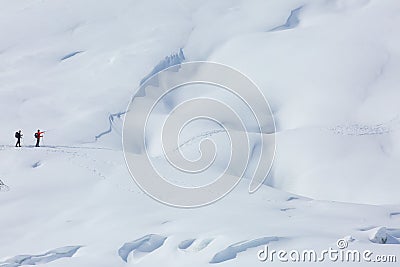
column 291, row 22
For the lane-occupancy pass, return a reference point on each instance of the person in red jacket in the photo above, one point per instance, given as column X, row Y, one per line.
column 38, row 135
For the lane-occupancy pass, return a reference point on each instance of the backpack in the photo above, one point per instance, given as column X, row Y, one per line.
column 36, row 135
column 17, row 135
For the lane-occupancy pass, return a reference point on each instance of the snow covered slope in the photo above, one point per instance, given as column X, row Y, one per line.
column 329, row 70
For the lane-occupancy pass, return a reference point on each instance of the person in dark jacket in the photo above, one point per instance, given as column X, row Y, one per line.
column 38, row 135
column 18, row 135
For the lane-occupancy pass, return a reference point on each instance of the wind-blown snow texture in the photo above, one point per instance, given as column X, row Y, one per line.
column 328, row 68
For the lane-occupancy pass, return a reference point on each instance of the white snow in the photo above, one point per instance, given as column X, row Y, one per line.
column 329, row 70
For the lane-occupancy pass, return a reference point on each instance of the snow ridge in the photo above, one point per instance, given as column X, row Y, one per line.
column 169, row 61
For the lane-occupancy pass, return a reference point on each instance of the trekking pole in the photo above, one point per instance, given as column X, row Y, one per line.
column 43, row 136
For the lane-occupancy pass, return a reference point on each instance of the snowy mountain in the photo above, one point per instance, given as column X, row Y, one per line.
column 329, row 70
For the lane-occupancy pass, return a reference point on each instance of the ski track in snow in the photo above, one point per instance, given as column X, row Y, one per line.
column 232, row 251
column 52, row 255
column 79, row 157
column 197, row 138
column 74, row 154
column 345, row 130
column 360, row 129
